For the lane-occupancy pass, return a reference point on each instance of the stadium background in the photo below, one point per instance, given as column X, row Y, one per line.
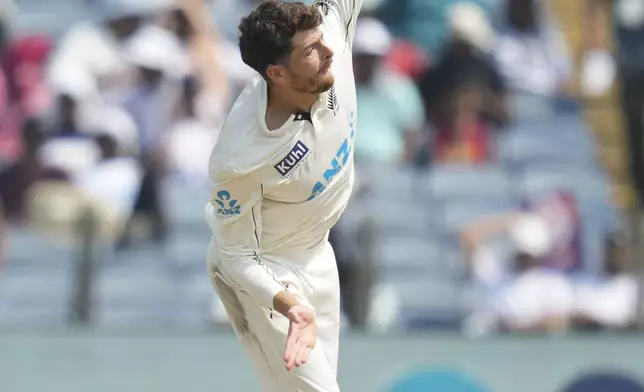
column 84, row 307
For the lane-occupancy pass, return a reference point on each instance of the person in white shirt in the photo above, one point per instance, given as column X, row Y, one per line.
column 610, row 300
column 283, row 173
column 532, row 298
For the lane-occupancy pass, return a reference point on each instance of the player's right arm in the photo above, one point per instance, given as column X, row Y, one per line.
column 236, row 223
column 345, row 12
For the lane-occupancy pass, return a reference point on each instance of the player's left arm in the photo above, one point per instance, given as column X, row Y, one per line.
column 344, row 12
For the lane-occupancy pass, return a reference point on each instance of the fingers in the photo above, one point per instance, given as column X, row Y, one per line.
column 292, row 348
column 305, row 354
column 292, row 355
column 301, row 356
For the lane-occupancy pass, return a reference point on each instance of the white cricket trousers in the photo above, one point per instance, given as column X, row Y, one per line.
column 313, row 277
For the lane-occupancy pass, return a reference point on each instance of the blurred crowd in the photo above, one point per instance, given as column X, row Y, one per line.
column 120, row 105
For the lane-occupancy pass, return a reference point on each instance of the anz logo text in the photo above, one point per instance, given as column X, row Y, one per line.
column 226, row 206
column 341, row 158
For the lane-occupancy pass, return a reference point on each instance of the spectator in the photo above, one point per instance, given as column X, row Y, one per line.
column 458, row 134
column 530, row 52
column 532, row 298
column 160, row 63
column 98, row 47
column 203, row 47
column 113, row 183
column 389, row 105
column 25, row 91
column 560, row 215
column 70, row 148
column 599, row 70
column 189, row 141
column 611, row 300
column 18, row 178
column 465, row 56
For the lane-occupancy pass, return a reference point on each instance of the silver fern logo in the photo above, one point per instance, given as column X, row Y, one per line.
column 333, row 103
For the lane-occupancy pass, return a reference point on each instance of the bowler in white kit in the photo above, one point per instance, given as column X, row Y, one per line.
column 283, row 172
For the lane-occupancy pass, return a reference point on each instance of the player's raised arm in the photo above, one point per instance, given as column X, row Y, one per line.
column 345, row 12
column 237, row 226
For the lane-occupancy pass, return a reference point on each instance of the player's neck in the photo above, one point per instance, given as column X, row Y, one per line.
column 282, row 104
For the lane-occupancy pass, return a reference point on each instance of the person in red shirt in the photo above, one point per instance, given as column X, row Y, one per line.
column 462, row 136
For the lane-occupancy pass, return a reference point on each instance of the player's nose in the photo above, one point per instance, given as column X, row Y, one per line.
column 327, row 52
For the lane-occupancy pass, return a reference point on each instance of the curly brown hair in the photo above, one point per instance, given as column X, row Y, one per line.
column 266, row 33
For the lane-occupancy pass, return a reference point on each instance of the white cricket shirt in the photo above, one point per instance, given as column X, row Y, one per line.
column 279, row 192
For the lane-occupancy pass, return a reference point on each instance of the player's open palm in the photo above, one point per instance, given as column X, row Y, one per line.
column 302, row 335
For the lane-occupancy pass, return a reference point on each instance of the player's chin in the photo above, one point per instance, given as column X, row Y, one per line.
column 325, row 83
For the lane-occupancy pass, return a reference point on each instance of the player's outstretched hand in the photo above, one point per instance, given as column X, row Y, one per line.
column 302, row 335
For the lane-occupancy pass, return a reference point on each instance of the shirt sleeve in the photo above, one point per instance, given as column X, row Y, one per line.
column 237, row 228
column 344, row 12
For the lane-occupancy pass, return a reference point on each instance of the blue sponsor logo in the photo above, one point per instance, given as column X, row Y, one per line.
column 226, row 205
column 337, row 163
column 294, row 157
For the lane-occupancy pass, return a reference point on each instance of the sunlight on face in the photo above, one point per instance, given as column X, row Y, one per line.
column 308, row 69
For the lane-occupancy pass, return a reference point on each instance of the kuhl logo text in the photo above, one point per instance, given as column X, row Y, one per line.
column 295, row 156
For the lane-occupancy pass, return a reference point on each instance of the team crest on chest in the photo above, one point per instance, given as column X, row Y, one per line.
column 332, row 102
column 293, row 159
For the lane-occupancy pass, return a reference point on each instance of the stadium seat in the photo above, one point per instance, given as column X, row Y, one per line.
column 517, row 150
column 454, row 182
column 401, row 257
column 458, row 214
column 135, row 296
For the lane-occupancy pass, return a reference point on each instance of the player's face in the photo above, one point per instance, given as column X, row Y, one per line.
column 308, row 69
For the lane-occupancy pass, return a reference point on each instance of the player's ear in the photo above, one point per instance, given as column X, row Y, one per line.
column 275, row 73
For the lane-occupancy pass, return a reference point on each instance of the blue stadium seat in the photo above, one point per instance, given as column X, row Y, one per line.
column 458, row 214
column 136, row 296
column 520, row 149
column 402, row 257
column 454, row 182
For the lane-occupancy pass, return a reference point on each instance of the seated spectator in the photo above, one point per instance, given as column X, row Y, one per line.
column 389, row 105
column 532, row 298
column 465, row 54
column 459, row 135
column 160, row 63
column 189, row 141
column 610, row 300
column 25, row 93
column 113, row 183
column 530, row 52
column 560, row 215
column 98, row 47
column 190, row 22
column 18, row 178
column 69, row 148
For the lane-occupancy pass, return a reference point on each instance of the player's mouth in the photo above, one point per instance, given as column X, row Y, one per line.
column 326, row 66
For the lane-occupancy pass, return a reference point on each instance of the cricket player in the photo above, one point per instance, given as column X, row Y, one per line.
column 283, row 173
